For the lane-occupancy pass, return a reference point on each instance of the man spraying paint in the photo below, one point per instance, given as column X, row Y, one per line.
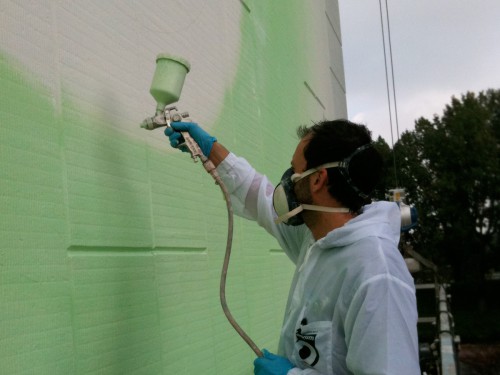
column 351, row 307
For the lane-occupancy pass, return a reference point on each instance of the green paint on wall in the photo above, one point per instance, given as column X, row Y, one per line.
column 35, row 312
column 111, row 250
column 267, row 100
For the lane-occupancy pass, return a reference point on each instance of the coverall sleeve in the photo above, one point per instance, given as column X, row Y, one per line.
column 251, row 197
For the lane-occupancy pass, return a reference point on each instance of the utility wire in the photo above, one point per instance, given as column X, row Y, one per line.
column 387, row 87
column 392, row 71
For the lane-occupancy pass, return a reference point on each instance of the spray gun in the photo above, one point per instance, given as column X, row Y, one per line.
column 166, row 89
column 165, row 118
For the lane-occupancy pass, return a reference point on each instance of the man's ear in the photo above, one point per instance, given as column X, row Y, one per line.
column 319, row 180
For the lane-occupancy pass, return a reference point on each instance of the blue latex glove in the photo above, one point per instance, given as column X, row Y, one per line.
column 271, row 364
column 204, row 140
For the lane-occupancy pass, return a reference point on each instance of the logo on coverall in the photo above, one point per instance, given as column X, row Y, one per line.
column 306, row 347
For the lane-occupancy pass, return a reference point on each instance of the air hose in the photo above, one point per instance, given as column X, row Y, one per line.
column 164, row 117
column 165, row 89
column 210, row 168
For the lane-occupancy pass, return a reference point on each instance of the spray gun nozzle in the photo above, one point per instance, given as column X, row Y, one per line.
column 152, row 123
column 147, row 124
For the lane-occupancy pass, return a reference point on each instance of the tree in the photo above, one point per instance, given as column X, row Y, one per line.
column 387, row 182
column 450, row 167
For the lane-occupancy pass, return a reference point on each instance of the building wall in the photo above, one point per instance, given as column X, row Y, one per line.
column 112, row 242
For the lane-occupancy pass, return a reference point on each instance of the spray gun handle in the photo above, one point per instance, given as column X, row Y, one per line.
column 191, row 145
column 186, row 142
column 165, row 118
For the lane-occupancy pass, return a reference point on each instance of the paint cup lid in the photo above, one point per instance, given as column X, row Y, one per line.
column 180, row 60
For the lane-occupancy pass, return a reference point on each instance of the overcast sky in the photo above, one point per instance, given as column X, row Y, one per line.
column 440, row 49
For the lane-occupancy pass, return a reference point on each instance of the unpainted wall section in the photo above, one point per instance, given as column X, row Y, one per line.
column 112, row 242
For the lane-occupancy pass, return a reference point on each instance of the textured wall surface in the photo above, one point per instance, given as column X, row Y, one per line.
column 111, row 242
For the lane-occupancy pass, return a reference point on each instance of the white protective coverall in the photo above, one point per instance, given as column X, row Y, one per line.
column 351, row 307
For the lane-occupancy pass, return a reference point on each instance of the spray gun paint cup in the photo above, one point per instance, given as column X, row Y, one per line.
column 168, row 80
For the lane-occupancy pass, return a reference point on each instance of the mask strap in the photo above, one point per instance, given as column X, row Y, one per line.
column 288, row 215
column 332, row 164
column 344, row 169
column 309, row 207
column 299, row 176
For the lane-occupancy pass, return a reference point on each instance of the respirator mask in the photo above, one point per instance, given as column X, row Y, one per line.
column 286, row 203
column 285, row 200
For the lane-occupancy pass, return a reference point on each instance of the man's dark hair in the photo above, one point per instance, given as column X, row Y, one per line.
column 334, row 141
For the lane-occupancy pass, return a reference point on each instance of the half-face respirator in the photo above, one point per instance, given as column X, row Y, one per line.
column 286, row 203
column 285, row 200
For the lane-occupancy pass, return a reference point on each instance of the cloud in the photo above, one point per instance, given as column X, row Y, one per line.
column 375, row 113
column 440, row 49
